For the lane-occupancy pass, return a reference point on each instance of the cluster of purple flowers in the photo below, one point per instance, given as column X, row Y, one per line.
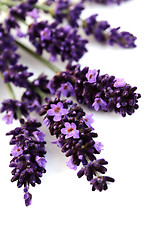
column 8, row 49
column 12, row 108
column 12, row 71
column 103, row 33
column 67, row 121
column 96, row 91
column 74, row 132
column 28, row 160
column 63, row 41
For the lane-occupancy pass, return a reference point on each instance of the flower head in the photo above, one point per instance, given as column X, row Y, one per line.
column 70, row 130
column 57, row 111
column 76, row 140
column 28, row 160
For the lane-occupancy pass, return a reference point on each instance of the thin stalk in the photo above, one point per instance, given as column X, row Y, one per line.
column 43, row 7
column 10, row 91
column 41, row 59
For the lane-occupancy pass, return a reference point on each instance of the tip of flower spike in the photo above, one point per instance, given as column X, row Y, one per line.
column 27, row 197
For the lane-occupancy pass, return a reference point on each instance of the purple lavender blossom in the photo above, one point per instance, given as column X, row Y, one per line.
column 102, row 32
column 34, row 14
column 70, row 164
column 45, row 34
column 12, row 107
column 66, row 89
column 41, row 161
column 46, row 122
column 8, row 118
column 88, row 120
column 119, row 83
column 27, row 197
column 92, row 75
column 99, row 103
column 100, row 95
column 28, row 160
column 70, row 130
column 16, row 151
column 57, row 111
column 8, row 56
column 99, row 146
column 63, row 41
column 39, row 136
column 81, row 148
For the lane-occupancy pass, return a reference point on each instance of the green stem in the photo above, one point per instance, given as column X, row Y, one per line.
column 38, row 6
column 10, row 90
column 41, row 59
column 9, row 3
column 11, row 93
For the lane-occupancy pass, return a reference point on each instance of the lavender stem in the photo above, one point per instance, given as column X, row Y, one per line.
column 41, row 59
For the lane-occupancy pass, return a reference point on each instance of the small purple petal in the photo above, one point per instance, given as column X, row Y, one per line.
column 8, row 118
column 71, row 165
column 16, row 151
column 92, row 75
column 99, row 146
column 39, row 136
column 119, row 83
column 41, row 161
column 88, row 119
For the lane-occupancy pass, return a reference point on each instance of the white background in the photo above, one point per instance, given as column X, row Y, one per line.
column 63, row 206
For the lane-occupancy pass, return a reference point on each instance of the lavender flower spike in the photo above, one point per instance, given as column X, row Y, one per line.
column 28, row 160
column 102, row 92
column 75, row 137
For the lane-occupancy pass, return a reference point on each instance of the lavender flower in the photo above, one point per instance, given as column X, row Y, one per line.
column 12, row 107
column 98, row 146
column 63, row 41
column 76, row 140
column 99, row 103
column 107, row 93
column 92, row 75
column 88, row 120
column 8, row 118
column 104, row 33
column 70, row 130
column 28, row 160
column 57, row 111
column 16, row 151
column 66, row 89
column 8, row 49
column 119, row 83
column 70, row 164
